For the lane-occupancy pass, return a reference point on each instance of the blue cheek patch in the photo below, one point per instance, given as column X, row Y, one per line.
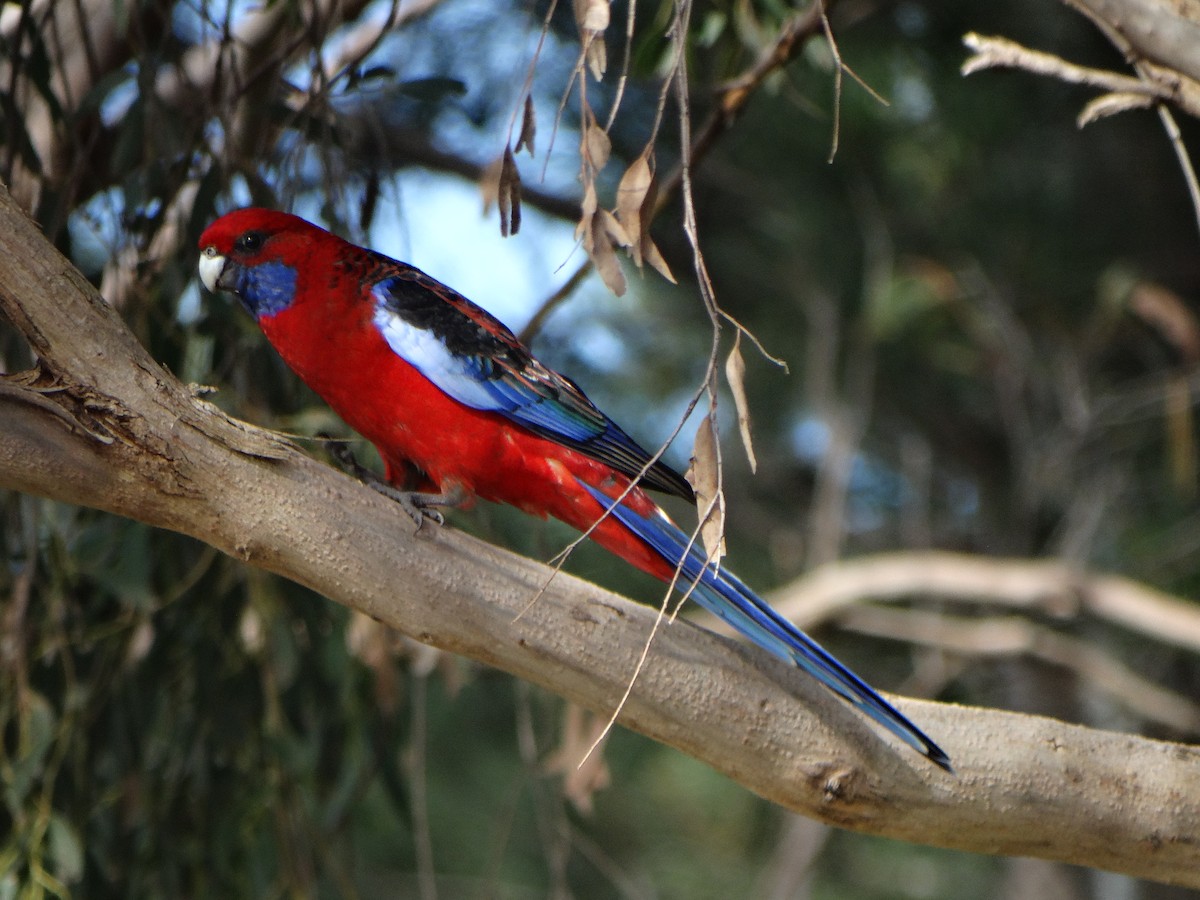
column 267, row 289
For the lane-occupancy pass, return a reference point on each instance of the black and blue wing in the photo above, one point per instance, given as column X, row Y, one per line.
column 474, row 358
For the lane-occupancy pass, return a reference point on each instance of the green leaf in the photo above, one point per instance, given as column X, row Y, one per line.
column 66, row 850
column 37, row 729
column 432, row 90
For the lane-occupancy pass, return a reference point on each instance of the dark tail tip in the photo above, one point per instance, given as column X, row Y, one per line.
column 938, row 756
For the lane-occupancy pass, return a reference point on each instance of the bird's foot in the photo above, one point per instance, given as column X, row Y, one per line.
column 420, row 505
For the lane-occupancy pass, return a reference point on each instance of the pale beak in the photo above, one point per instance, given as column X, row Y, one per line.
column 212, row 265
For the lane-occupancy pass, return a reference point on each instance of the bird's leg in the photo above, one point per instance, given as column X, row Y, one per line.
column 345, row 458
column 420, row 505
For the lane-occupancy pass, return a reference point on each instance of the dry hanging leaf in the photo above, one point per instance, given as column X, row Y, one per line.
column 596, row 146
column 631, row 195
column 735, row 374
column 597, row 56
column 613, row 229
column 592, row 18
column 599, row 247
column 636, row 197
column 650, row 252
column 583, row 773
column 593, row 233
column 705, row 477
column 500, row 183
column 528, row 127
column 376, row 646
column 489, row 183
column 509, row 195
column 587, row 213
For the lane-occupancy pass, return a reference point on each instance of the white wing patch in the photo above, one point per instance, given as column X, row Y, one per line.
column 420, row 348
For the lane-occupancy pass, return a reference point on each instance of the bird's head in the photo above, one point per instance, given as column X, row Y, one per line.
column 254, row 254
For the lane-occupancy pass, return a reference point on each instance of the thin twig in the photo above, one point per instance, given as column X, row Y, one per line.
column 998, row 52
column 840, row 67
column 551, row 303
column 1181, row 154
column 527, row 84
column 623, row 78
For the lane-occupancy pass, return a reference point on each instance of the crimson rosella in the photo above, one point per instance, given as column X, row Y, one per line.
column 449, row 396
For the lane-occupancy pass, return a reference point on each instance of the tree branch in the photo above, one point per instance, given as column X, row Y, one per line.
column 1165, row 33
column 130, row 439
column 998, row 636
column 1051, row 587
column 1123, row 92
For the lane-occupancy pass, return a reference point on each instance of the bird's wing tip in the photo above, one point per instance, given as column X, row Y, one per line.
column 938, row 757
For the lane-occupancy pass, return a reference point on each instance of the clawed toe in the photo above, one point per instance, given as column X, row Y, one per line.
column 414, row 504
column 419, row 505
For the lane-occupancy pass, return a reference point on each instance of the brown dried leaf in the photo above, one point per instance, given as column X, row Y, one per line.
column 489, row 183
column 583, row 773
column 597, row 57
column 652, row 256
column 735, row 374
column 596, row 146
column 580, row 8
column 637, row 195
column 376, row 645
column 704, row 476
column 528, row 127
column 599, row 247
column 631, row 196
column 592, row 18
column 509, row 195
column 613, row 229
column 587, row 214
column 593, row 233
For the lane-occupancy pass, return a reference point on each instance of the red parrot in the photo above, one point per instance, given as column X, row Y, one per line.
column 448, row 394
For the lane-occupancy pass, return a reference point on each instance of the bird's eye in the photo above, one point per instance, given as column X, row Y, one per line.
column 250, row 242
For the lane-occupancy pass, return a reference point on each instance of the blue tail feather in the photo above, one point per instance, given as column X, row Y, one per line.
column 725, row 596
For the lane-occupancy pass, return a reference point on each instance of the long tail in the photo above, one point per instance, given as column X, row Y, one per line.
column 725, row 596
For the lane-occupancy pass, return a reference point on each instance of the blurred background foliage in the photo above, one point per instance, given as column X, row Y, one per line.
column 988, row 325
